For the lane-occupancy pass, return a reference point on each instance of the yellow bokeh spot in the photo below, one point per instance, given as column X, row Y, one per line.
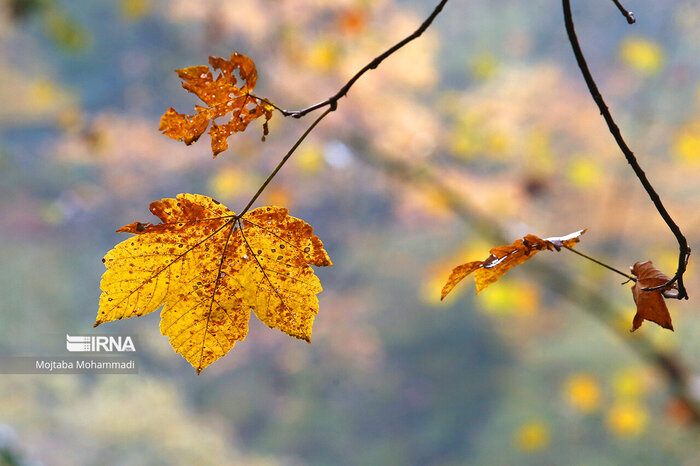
column 134, row 10
column 532, row 436
column 483, row 67
column 469, row 138
column 627, row 419
column 497, row 142
column 510, row 298
column 642, row 55
column 465, row 141
column 628, row 384
column 686, row 145
column 436, row 204
column 584, row 172
column 65, row 32
column 540, row 153
column 42, row 94
column 582, row 392
column 323, row 55
column 309, row 160
column 227, row 183
column 464, row 144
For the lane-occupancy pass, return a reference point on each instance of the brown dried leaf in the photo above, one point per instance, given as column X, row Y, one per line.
column 504, row 258
column 222, row 96
column 650, row 304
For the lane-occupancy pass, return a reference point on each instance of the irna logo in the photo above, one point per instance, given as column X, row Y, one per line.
column 99, row 343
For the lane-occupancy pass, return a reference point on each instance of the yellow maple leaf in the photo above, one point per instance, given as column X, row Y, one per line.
column 209, row 268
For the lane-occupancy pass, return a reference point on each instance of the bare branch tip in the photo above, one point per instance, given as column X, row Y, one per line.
column 629, row 16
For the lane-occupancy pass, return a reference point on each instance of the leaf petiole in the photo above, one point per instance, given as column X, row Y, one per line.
column 628, row 277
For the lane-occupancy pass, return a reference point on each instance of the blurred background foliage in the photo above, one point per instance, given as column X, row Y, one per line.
column 480, row 130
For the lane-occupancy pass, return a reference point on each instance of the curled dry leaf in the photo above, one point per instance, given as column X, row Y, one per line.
column 222, row 97
column 504, row 258
column 210, row 269
column 650, row 304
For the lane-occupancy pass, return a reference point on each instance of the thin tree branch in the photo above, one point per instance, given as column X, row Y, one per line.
column 684, row 250
column 629, row 16
column 369, row 66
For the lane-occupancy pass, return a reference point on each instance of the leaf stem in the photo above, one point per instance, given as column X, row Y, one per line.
column 603, row 264
column 684, row 250
column 284, row 160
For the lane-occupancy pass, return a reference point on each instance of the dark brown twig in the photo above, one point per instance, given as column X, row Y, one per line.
column 684, row 250
column 629, row 16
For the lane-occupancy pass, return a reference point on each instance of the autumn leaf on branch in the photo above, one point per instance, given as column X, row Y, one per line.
column 222, row 97
column 209, row 269
column 650, row 304
column 504, row 258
